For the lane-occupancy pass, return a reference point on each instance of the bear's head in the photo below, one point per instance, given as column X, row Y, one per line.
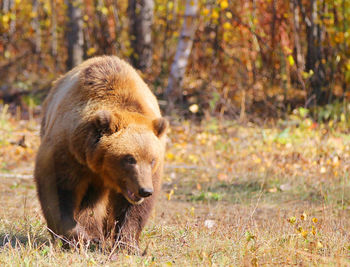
column 126, row 150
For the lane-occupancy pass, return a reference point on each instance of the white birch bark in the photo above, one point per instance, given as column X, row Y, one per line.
column 9, row 6
column 173, row 91
column 53, row 28
column 36, row 26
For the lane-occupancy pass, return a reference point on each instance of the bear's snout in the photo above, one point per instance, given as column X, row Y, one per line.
column 145, row 192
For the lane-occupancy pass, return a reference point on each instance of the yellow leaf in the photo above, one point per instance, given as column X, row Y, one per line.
column 206, row 11
column 342, row 117
column 193, row 158
column 192, row 211
column 170, row 156
column 104, row 10
column 5, row 18
column 223, row 4
column 170, row 5
column 227, row 25
column 257, row 160
column 215, row 14
column 228, row 15
column 303, row 216
column 339, row 37
column 287, row 49
column 304, row 234
column 291, row 60
column 292, row 220
column 307, row 75
column 33, row 14
column 170, row 194
column 91, row 51
column 313, row 230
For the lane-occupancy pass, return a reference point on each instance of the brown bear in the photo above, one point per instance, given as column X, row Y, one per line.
column 99, row 166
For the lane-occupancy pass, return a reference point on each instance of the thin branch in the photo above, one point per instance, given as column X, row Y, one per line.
column 16, row 176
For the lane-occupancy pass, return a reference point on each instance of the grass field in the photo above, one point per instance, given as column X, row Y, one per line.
column 233, row 195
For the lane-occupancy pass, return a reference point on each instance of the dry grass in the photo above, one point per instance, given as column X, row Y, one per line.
column 273, row 198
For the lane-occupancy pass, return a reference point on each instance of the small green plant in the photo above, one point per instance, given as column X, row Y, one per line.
column 207, row 196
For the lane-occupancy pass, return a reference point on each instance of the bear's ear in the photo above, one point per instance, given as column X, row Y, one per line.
column 160, row 126
column 104, row 122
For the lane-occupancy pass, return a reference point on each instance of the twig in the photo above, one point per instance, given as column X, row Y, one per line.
column 60, row 237
column 257, row 203
column 18, row 176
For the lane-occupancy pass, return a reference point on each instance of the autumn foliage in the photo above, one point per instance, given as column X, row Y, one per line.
column 248, row 57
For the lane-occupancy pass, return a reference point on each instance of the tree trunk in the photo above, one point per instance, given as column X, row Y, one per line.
column 311, row 31
column 141, row 19
column 8, row 6
column 314, row 56
column 74, row 34
column 53, row 30
column 299, row 58
column 117, row 26
column 298, row 53
column 36, row 26
column 273, row 41
column 101, row 30
column 173, row 91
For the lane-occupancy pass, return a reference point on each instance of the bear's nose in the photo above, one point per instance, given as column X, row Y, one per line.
column 145, row 192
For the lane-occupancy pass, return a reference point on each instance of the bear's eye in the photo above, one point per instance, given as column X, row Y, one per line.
column 129, row 159
column 98, row 137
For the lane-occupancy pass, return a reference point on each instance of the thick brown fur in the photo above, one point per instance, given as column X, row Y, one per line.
column 102, row 139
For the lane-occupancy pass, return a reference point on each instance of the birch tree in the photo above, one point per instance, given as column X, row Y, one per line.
column 173, row 91
column 53, row 29
column 8, row 6
column 36, row 26
column 141, row 19
column 74, row 33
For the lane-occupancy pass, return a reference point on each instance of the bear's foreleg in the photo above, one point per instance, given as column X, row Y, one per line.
column 57, row 201
column 129, row 220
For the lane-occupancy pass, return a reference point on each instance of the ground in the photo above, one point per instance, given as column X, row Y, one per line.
column 233, row 195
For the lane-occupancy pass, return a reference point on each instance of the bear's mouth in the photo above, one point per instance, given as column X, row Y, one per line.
column 132, row 198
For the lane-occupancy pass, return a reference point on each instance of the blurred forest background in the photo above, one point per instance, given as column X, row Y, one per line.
column 238, row 59
column 258, row 153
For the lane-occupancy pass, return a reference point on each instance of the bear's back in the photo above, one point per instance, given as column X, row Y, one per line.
column 99, row 83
